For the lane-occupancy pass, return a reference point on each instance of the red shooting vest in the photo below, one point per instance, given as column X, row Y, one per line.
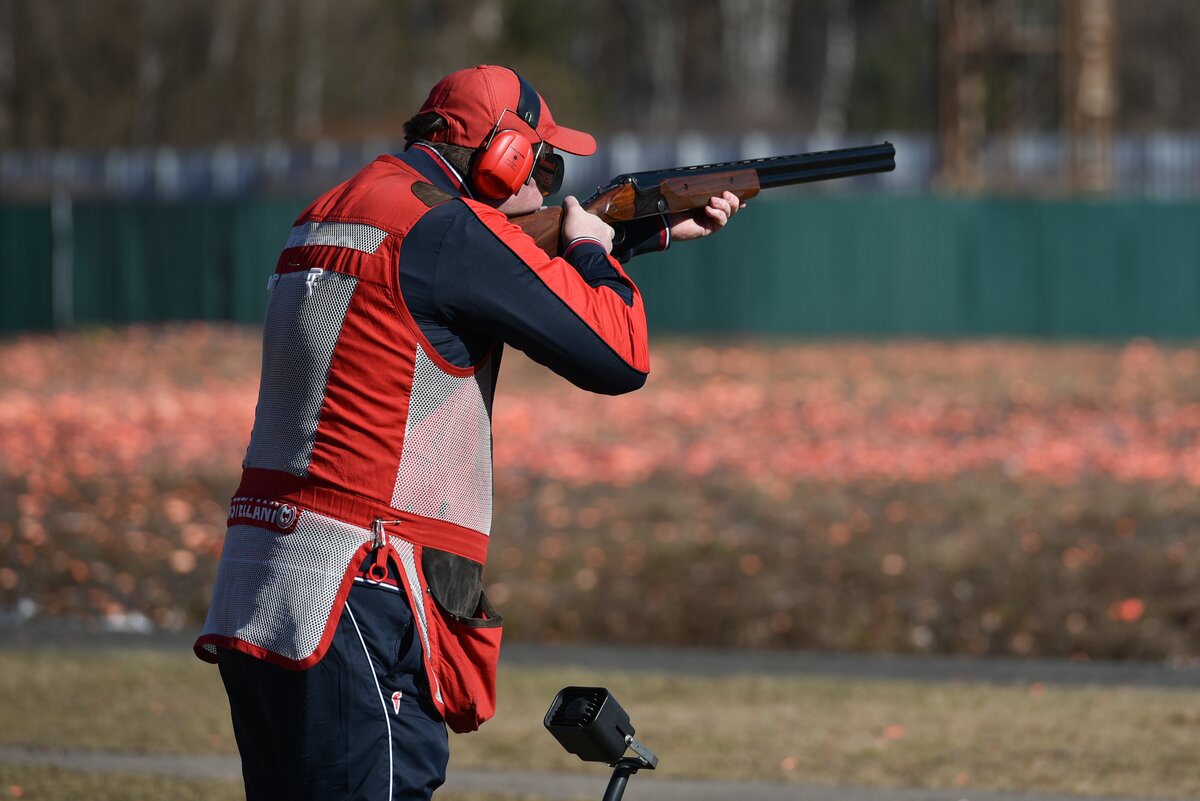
column 363, row 435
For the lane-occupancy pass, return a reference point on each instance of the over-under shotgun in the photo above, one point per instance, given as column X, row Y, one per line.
column 643, row 194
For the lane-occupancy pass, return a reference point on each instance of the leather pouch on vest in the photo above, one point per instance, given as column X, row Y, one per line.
column 455, row 581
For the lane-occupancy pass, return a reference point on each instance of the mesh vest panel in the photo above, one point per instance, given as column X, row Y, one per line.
column 276, row 591
column 446, row 466
column 356, row 236
column 304, row 321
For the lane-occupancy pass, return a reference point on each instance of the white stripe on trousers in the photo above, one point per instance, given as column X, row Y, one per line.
column 382, row 701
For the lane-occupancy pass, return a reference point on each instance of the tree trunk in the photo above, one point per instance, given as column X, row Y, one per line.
column 150, row 74
column 755, row 34
column 222, row 42
column 268, row 68
column 662, row 43
column 840, row 57
column 8, row 72
column 310, row 74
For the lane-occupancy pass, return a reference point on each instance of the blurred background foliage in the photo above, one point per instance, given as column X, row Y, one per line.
column 125, row 73
column 976, row 498
column 1045, row 96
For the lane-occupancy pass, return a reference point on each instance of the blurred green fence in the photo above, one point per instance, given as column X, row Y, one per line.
column 816, row 266
column 926, row 266
column 25, row 285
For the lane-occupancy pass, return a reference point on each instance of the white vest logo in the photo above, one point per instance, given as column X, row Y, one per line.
column 281, row 517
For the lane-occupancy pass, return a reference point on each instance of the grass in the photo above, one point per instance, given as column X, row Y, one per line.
column 1076, row 740
column 36, row 783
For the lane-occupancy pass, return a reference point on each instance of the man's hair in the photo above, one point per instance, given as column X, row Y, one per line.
column 422, row 126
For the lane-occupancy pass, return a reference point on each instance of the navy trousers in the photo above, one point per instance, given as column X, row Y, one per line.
column 357, row 725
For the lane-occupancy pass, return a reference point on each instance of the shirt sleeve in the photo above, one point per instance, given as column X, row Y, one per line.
column 580, row 315
column 643, row 235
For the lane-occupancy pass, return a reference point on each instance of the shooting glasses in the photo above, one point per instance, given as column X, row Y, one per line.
column 547, row 169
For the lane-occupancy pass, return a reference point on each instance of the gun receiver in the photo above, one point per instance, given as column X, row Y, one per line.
column 643, row 194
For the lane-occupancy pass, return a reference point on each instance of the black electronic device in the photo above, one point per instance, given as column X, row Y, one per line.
column 588, row 722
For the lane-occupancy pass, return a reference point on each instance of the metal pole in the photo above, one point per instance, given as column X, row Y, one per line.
column 616, row 785
column 62, row 259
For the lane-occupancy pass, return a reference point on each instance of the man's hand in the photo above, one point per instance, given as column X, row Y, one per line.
column 687, row 225
column 578, row 224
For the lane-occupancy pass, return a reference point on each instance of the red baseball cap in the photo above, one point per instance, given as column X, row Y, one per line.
column 472, row 101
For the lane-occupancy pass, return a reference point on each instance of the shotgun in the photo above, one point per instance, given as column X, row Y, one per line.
column 643, row 194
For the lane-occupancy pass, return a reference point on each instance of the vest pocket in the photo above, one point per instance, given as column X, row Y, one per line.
column 469, row 651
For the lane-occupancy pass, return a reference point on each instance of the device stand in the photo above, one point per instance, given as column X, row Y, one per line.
column 622, row 770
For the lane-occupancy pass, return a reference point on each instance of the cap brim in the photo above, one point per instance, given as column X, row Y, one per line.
column 570, row 140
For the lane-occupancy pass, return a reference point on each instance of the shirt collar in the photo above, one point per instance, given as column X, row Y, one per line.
column 427, row 161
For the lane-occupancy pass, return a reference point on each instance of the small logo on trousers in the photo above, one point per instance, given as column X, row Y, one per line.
column 396, row 696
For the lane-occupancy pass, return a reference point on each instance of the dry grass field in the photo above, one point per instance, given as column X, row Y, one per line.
column 1035, row 738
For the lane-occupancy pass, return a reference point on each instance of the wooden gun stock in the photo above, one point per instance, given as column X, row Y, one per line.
column 544, row 227
column 644, row 194
column 612, row 204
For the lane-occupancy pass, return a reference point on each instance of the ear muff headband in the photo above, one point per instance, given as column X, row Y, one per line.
column 504, row 163
column 529, row 105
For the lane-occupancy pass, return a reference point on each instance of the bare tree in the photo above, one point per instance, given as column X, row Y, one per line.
column 841, row 50
column 150, row 72
column 223, row 39
column 754, row 41
column 268, row 67
column 47, row 102
column 662, row 42
column 8, row 67
column 310, row 75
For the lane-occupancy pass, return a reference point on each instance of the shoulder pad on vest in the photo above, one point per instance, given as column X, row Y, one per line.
column 429, row 194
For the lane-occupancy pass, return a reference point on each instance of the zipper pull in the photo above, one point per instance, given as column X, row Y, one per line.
column 378, row 570
column 272, row 281
column 380, row 547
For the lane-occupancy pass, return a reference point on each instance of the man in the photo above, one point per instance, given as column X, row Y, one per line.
column 348, row 617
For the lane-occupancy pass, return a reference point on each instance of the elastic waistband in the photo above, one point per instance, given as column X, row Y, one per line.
column 283, row 488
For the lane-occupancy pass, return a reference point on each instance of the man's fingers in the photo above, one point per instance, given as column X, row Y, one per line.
column 718, row 211
column 578, row 223
column 729, row 202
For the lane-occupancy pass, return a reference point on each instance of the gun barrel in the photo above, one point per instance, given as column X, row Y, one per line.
column 776, row 171
column 808, row 167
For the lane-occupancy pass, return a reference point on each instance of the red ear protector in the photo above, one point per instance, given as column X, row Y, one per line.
column 503, row 164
